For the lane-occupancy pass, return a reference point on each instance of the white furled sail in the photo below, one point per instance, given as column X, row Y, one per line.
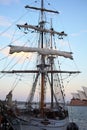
column 42, row 51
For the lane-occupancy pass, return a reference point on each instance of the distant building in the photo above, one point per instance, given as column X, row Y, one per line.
column 79, row 98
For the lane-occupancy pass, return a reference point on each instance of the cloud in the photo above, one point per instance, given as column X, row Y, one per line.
column 20, row 57
column 7, row 2
column 75, row 34
column 4, row 21
column 5, row 25
column 84, row 31
column 79, row 33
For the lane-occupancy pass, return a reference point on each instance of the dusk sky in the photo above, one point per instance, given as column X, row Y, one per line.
column 73, row 19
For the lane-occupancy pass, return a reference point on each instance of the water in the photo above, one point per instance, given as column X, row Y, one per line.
column 78, row 114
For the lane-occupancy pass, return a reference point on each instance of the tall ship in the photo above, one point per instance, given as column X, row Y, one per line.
column 79, row 98
column 36, row 63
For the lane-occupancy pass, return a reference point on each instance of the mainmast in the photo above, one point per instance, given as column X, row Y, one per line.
column 42, row 61
column 51, row 61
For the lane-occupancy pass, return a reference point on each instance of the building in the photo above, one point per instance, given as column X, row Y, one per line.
column 79, row 98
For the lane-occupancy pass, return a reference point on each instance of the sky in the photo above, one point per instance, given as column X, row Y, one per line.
column 73, row 17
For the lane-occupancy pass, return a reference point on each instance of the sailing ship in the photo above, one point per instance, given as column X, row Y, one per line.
column 40, row 115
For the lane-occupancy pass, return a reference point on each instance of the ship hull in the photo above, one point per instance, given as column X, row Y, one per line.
column 40, row 124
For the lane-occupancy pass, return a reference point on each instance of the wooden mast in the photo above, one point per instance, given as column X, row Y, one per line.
column 51, row 61
column 42, row 64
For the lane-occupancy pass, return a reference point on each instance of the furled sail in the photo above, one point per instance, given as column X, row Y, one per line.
column 42, row 51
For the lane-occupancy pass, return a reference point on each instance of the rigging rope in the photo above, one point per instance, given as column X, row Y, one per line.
column 13, row 23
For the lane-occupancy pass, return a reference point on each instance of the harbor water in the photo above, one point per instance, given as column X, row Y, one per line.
column 78, row 114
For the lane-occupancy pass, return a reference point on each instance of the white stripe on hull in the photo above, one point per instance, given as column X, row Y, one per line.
column 35, row 124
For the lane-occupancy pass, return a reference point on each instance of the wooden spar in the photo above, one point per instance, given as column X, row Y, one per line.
column 41, row 9
column 36, row 71
column 26, row 26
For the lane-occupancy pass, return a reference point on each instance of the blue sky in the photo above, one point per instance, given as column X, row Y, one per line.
column 73, row 17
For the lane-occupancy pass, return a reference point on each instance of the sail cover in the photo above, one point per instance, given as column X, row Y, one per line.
column 42, row 51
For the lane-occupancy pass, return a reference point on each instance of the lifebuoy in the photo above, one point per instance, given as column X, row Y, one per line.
column 72, row 126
